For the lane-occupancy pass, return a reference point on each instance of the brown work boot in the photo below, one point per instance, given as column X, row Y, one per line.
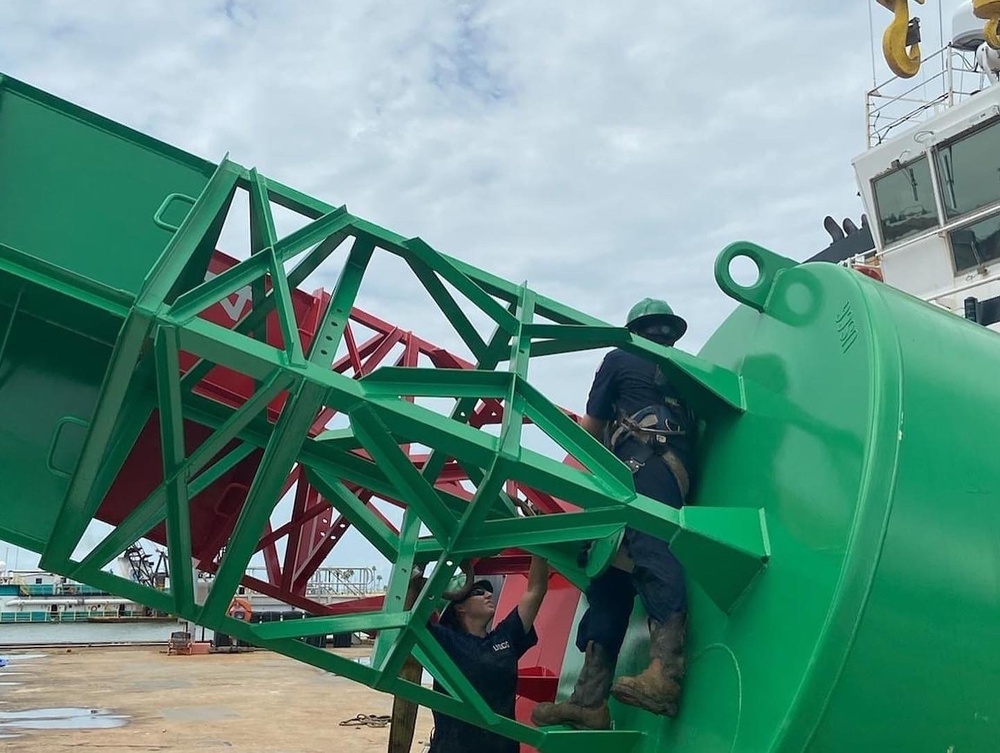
column 587, row 708
column 658, row 688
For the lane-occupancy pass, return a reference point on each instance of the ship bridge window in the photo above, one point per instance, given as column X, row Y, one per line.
column 904, row 200
column 975, row 245
column 969, row 170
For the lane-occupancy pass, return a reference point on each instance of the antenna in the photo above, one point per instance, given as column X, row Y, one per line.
column 871, row 45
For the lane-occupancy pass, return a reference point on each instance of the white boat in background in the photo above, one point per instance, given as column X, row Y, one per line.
column 36, row 596
column 930, row 180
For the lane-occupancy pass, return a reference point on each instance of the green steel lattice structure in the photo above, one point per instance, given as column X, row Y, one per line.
column 154, row 317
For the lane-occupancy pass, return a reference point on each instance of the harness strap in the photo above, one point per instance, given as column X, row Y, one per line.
column 670, row 458
column 644, row 426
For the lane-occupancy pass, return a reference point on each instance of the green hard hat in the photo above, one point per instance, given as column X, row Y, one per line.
column 654, row 311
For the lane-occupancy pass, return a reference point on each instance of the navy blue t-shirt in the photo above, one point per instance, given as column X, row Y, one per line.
column 627, row 383
column 624, row 382
column 490, row 664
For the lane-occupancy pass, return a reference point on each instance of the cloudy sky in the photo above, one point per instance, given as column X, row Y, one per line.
column 601, row 151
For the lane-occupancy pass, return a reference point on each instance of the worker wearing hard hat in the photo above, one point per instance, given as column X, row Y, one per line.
column 637, row 413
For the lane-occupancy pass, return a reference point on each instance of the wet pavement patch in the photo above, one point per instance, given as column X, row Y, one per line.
column 64, row 718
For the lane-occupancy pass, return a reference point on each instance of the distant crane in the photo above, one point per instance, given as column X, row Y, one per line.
column 143, row 570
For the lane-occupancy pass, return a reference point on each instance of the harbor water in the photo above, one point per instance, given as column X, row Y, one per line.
column 54, row 633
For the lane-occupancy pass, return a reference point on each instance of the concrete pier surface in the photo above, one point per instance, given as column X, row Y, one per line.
column 131, row 699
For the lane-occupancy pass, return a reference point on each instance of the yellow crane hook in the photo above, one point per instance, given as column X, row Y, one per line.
column 989, row 10
column 902, row 61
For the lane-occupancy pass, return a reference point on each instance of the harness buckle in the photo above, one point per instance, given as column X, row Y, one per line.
column 634, row 465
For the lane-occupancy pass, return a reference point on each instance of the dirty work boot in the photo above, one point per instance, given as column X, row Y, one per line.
column 587, row 708
column 658, row 688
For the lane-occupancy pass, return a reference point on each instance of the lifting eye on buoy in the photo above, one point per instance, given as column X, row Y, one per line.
column 989, row 11
column 901, row 41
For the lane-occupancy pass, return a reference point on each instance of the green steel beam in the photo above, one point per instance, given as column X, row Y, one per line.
column 331, row 223
column 223, row 285
column 501, row 288
column 137, row 411
column 358, row 513
column 418, row 249
column 195, row 238
column 449, row 307
column 253, row 321
column 316, row 453
column 440, row 664
column 298, row 202
column 151, row 597
column 338, row 311
column 262, row 233
column 153, row 510
column 489, row 490
column 577, row 442
column 51, row 277
column 350, row 623
column 538, row 530
column 463, row 408
column 399, row 381
column 399, row 584
column 311, row 262
column 412, row 486
column 286, row 311
column 173, row 450
column 79, row 506
column 279, row 457
column 219, row 468
column 429, row 599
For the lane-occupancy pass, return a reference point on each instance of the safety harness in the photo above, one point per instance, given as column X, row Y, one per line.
column 656, row 428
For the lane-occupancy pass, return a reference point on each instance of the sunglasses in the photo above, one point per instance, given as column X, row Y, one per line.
column 663, row 330
column 480, row 591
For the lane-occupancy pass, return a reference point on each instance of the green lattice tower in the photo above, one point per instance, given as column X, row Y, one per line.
column 100, row 286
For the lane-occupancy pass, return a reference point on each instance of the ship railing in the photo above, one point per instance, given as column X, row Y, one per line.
column 65, row 615
column 59, row 589
column 898, row 102
column 332, row 581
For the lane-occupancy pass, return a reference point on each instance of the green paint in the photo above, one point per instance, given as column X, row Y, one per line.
column 841, row 540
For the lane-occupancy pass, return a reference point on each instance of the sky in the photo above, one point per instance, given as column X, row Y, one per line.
column 602, row 152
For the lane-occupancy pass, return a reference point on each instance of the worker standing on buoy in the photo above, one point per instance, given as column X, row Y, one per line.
column 639, row 416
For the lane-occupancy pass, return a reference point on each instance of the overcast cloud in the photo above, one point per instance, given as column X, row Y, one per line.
column 601, row 151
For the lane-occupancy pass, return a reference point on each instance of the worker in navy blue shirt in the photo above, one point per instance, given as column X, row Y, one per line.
column 488, row 658
column 636, row 413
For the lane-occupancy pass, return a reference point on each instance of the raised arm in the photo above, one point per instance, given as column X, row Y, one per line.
column 538, row 584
